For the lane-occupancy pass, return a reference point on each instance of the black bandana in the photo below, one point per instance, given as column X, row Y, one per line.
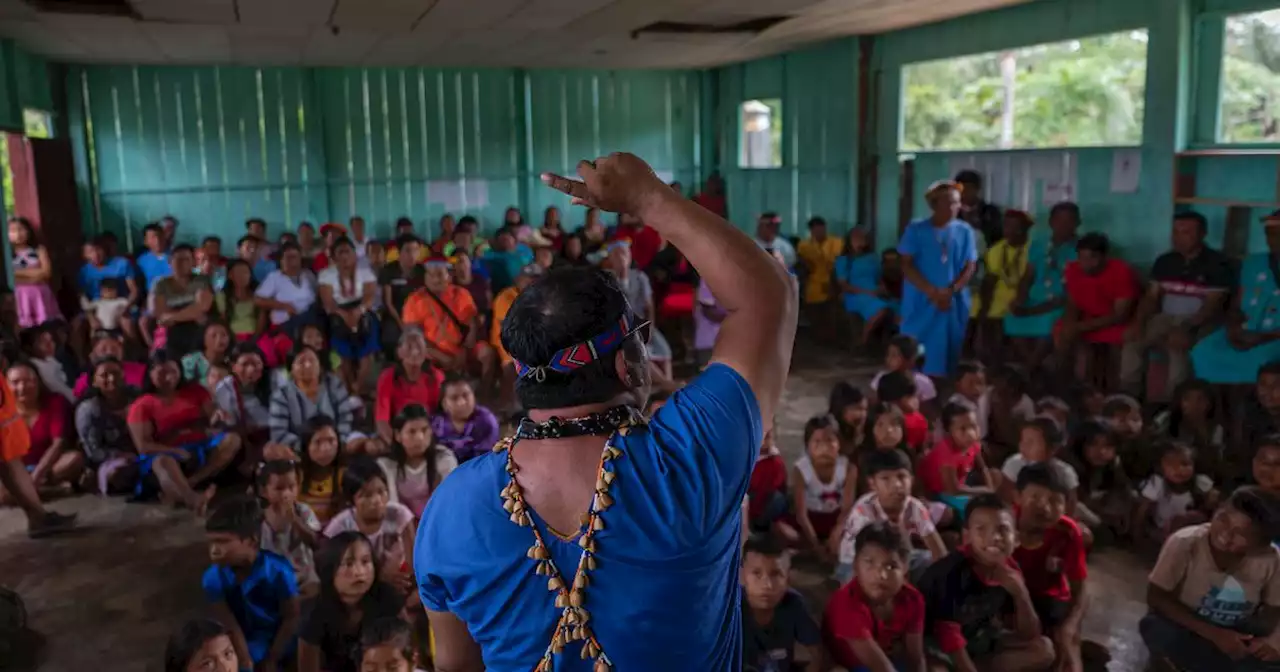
column 596, row 424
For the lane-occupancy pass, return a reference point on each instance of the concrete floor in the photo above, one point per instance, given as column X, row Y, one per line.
column 107, row 597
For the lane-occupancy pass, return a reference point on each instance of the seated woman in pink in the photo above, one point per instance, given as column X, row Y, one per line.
column 52, row 459
column 173, row 427
column 109, row 345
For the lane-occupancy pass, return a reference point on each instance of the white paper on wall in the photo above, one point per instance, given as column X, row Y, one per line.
column 1126, row 170
column 446, row 193
column 475, row 194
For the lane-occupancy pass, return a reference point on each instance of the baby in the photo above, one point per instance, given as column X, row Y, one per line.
column 109, row 308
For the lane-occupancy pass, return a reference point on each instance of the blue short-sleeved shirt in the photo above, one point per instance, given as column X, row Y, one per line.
column 257, row 602
column 262, row 269
column 153, row 267
column 91, row 276
column 665, row 594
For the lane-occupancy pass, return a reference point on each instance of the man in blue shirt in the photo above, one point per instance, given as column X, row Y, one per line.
column 248, row 247
column 254, row 593
column 98, row 268
column 650, row 580
column 154, row 263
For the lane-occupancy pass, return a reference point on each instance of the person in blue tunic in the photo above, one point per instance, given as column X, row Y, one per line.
column 861, row 283
column 1041, row 296
column 514, row 574
column 1251, row 339
column 939, row 256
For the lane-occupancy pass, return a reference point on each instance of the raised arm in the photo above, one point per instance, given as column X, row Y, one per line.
column 757, row 336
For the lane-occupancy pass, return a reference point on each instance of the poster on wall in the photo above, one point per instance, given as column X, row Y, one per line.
column 1126, row 171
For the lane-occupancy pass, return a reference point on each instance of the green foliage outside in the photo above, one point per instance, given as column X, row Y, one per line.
column 1250, row 111
column 1077, row 93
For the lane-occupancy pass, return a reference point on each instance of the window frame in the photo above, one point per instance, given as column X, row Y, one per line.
column 780, row 119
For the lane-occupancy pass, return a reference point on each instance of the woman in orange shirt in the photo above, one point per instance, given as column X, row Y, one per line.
column 15, row 441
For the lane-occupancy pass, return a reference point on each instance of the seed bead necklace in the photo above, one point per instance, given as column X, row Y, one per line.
column 570, row 596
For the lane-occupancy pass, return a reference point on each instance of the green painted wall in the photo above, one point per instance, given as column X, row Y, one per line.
column 216, row 145
column 819, row 91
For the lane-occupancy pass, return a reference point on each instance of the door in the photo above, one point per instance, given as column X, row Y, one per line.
column 44, row 192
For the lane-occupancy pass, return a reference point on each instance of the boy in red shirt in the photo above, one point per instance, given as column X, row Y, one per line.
column 767, row 503
column 1051, row 554
column 898, row 389
column 876, row 621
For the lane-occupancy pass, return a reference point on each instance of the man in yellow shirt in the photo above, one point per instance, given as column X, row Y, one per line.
column 817, row 255
column 1003, row 266
column 501, row 305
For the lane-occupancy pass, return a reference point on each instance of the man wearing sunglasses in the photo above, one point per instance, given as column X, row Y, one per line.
column 514, row 573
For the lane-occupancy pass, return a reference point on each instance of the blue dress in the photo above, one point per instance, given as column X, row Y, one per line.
column 1047, row 263
column 940, row 255
column 863, row 272
column 1214, row 359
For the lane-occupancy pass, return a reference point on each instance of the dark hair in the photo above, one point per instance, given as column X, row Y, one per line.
column 1119, row 402
column 228, row 292
column 309, row 468
column 389, row 631
column 952, row 411
column 361, row 469
column 818, row 423
column 32, row 240
column 842, row 396
column 879, row 461
column 204, row 333
column 1259, row 507
column 301, row 348
column 288, row 247
column 43, row 389
column 1068, row 207
column 1013, row 376
column 262, row 389
column 114, row 284
column 306, row 225
column 766, row 545
column 895, row 386
column 1185, row 387
column 881, row 533
column 241, row 516
column 566, row 307
column 210, row 239
column 969, row 176
column 968, row 366
column 152, row 228
column 248, row 238
column 1049, row 431
column 160, row 358
column 768, row 215
column 1202, row 224
column 405, row 416
column 182, row 247
column 817, row 221
column 1110, row 477
column 273, row 468
column 907, row 346
column 248, row 224
column 328, row 604
column 880, row 409
column 1044, row 475
column 342, row 240
column 1094, row 242
column 92, row 392
column 403, row 221
column 407, row 239
column 467, row 221
column 187, row 640
column 986, row 501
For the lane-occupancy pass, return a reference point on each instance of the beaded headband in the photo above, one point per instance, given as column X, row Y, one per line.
column 577, row 356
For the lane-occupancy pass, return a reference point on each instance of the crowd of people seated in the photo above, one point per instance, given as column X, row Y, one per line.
column 954, row 512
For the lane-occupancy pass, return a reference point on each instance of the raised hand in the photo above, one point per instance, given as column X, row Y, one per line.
column 619, row 182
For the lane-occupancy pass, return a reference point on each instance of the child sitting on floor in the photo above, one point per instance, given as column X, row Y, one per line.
column 890, row 501
column 767, row 503
column 417, row 463
column 463, row 426
column 848, row 405
column 1010, row 407
column 978, row 613
column 877, row 620
column 1105, row 497
column 1266, row 465
column 200, row 645
column 943, row 472
column 1056, row 408
column 897, row 389
column 822, row 483
column 1192, row 419
column 774, row 618
column 903, row 356
column 387, row 525
column 971, row 392
column 1124, row 416
column 1263, row 413
column 289, row 527
column 321, row 468
column 1213, row 587
column 253, row 592
column 42, row 351
column 1175, row 496
column 1039, row 442
column 1051, row 555
column 386, row 645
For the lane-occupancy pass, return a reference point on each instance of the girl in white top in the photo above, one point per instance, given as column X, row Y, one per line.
column 823, row 483
column 347, row 292
column 1175, row 496
column 289, row 292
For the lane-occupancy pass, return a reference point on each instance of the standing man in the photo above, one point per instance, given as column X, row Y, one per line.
column 939, row 256
column 981, row 215
column 1183, row 301
column 647, row 577
column 818, row 254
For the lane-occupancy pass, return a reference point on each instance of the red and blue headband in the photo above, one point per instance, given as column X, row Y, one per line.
column 577, row 356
